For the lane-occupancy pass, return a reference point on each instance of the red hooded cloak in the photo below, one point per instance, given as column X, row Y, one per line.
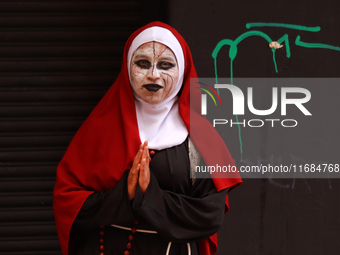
column 107, row 142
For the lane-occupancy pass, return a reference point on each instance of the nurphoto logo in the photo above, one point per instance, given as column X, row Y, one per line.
column 238, row 104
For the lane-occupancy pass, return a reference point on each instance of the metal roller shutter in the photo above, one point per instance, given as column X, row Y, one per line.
column 57, row 59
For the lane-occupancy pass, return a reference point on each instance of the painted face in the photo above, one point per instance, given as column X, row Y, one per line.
column 153, row 72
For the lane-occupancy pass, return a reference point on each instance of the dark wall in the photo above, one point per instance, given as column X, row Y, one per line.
column 275, row 216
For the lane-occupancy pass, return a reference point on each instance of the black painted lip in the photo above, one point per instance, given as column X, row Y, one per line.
column 152, row 87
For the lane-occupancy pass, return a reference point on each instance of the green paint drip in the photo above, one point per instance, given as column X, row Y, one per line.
column 239, row 137
column 216, row 77
column 315, row 45
column 274, row 50
column 285, row 39
column 290, row 26
column 231, row 72
column 232, row 56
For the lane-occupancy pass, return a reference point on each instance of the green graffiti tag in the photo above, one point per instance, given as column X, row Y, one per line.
column 291, row 26
column 284, row 39
column 315, row 45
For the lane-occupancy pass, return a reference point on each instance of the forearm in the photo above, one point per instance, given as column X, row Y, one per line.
column 107, row 207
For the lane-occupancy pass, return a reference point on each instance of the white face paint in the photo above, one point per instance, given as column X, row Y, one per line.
column 153, row 72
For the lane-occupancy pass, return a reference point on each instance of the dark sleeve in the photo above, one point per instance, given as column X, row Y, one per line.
column 180, row 218
column 107, row 207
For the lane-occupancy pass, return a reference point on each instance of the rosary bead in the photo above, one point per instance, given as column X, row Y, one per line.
column 101, row 247
column 102, row 232
column 101, row 240
column 131, row 237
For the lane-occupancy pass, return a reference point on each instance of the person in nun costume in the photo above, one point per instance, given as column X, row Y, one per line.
column 126, row 184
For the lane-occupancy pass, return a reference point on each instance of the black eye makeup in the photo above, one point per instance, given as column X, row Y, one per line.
column 144, row 64
column 164, row 65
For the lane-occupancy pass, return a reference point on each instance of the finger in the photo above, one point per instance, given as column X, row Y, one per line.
column 142, row 171
column 140, row 152
column 146, row 154
column 145, row 167
column 133, row 174
column 145, row 160
column 135, row 170
column 138, row 155
column 148, row 157
column 132, row 182
column 144, row 176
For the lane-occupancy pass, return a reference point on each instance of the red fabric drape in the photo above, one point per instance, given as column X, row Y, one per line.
column 107, row 142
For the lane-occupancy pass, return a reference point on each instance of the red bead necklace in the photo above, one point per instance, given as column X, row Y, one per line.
column 131, row 237
column 101, row 240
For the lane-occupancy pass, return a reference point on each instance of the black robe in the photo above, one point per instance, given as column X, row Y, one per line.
column 180, row 211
